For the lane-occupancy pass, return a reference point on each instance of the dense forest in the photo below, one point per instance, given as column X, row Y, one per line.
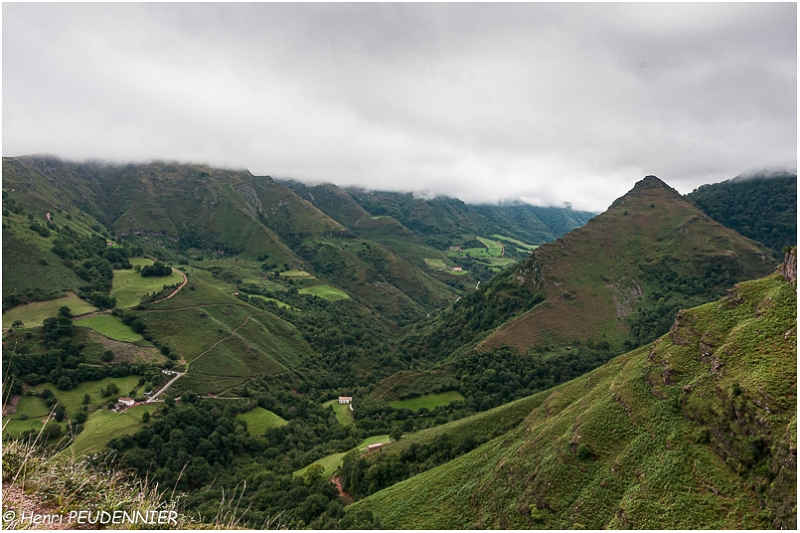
column 762, row 207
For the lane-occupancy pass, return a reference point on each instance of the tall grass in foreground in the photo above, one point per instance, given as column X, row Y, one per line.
column 35, row 480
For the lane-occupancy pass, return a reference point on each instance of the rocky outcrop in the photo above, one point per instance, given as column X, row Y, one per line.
column 789, row 266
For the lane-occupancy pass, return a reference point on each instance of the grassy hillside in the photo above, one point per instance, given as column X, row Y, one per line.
column 536, row 225
column 626, row 272
column 331, row 200
column 695, row 430
column 762, row 206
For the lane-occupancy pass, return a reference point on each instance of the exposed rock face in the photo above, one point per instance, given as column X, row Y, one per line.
column 789, row 267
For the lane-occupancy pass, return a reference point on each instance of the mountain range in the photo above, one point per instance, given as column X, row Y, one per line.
column 521, row 366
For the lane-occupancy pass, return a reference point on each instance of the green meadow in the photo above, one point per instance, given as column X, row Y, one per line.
column 33, row 314
column 110, row 326
column 104, row 425
column 493, row 248
column 260, row 420
column 332, row 462
column 14, row 427
column 343, row 413
column 430, row 401
column 520, row 244
column 325, row 291
column 73, row 399
column 435, row 263
column 293, row 273
column 277, row 302
column 128, row 286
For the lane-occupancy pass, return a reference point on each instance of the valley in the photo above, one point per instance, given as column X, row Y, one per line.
column 523, row 367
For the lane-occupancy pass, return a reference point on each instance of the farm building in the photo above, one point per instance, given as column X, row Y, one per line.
column 374, row 446
column 345, row 399
column 126, row 401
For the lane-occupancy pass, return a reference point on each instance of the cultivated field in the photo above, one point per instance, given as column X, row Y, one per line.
column 110, row 326
column 293, row 273
column 73, row 399
column 435, row 263
column 33, row 314
column 520, row 244
column 343, row 413
column 325, row 291
column 129, row 286
column 259, row 420
column 334, row 461
column 104, row 425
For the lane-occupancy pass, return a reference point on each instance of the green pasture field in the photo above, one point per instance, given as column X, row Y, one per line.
column 15, row 427
column 494, row 248
column 104, row 425
column 471, row 252
column 331, row 463
column 110, row 326
column 325, row 291
column 293, row 273
column 527, row 247
column 334, row 461
column 373, row 440
column 498, row 262
column 129, row 286
column 33, row 314
column 343, row 413
column 73, row 399
column 33, row 406
column 435, row 263
column 429, row 400
column 260, row 420
column 277, row 302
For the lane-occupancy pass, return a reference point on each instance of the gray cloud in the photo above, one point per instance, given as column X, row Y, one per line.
column 486, row 102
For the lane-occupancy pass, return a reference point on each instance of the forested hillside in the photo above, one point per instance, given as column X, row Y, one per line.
column 204, row 328
column 615, row 283
column 761, row 206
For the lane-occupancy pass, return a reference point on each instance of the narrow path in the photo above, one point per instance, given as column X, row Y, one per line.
column 185, row 280
column 107, row 311
column 165, row 387
column 152, row 398
column 233, row 333
column 93, row 313
column 186, row 307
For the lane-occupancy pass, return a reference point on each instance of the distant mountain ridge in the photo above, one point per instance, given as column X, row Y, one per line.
column 760, row 205
column 614, row 283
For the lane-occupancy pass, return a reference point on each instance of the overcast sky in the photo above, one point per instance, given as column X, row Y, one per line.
column 548, row 103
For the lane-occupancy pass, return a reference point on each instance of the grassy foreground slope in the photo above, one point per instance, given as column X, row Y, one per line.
column 695, row 430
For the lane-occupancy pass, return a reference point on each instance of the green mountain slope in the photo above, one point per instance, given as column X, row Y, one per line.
column 627, row 271
column 385, row 230
column 533, row 224
column 761, row 206
column 695, row 430
column 331, row 200
column 176, row 211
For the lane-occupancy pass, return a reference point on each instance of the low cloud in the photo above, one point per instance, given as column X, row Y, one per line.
column 552, row 103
